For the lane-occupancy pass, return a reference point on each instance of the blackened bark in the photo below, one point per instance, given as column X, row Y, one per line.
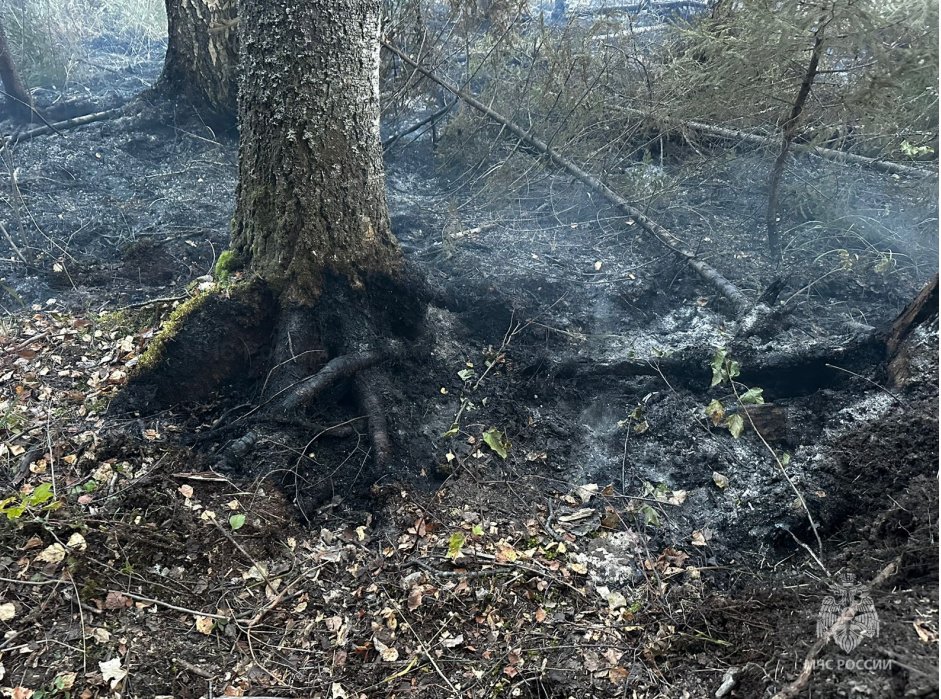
column 311, row 195
column 18, row 99
column 202, row 56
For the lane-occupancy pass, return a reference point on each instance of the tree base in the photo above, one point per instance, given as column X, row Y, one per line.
column 288, row 362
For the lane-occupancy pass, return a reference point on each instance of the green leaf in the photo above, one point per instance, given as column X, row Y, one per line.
column 651, row 516
column 41, row 494
column 785, row 459
column 752, row 397
column 736, row 425
column 497, row 441
column 466, row 374
column 716, row 411
column 477, row 530
column 734, row 369
column 718, row 367
column 453, row 431
column 237, row 521
column 15, row 512
column 455, row 544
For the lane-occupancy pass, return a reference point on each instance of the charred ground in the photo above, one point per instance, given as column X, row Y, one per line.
column 623, row 544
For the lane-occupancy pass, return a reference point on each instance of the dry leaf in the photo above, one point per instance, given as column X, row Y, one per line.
column 115, row 600
column 77, row 542
column 205, row 625
column 720, row 480
column 387, row 653
column 112, row 671
column 925, row 632
column 186, row 491
column 415, row 597
column 7, row 611
column 618, row 675
column 52, row 554
column 453, row 641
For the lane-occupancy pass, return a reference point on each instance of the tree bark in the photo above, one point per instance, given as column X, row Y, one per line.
column 18, row 99
column 201, row 64
column 311, row 196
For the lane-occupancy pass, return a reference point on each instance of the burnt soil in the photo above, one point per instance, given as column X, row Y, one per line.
column 624, row 546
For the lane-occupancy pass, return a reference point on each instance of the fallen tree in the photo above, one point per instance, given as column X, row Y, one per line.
column 741, row 305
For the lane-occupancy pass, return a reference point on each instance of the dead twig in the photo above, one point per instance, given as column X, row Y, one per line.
column 167, row 605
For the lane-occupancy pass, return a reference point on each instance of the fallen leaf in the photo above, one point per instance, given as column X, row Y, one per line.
column 618, row 675
column 453, row 641
column 112, row 671
column 186, row 491
column 64, row 681
column 52, row 554
column 115, row 600
column 925, row 633
column 205, row 625
column 77, row 542
column 387, row 653
column 720, row 480
column 7, row 611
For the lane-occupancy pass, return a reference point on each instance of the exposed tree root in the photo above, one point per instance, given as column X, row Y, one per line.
column 337, row 369
column 740, row 303
column 365, row 384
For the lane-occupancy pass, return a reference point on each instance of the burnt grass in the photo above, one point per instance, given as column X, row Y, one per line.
column 567, row 331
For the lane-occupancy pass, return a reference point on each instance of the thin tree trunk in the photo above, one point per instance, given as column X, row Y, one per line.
column 19, row 100
column 201, row 64
column 311, row 196
column 788, row 132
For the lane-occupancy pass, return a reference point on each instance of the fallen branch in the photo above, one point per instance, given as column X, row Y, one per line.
column 738, row 300
column 67, row 124
column 838, row 156
column 800, row 683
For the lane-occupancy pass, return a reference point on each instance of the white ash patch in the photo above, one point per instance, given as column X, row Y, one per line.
column 613, row 559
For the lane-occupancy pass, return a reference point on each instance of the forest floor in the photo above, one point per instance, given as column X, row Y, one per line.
column 621, row 545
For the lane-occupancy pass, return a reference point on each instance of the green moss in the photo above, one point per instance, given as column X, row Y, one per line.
column 168, row 330
column 227, row 263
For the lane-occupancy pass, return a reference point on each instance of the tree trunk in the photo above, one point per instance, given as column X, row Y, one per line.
column 19, row 100
column 788, row 132
column 202, row 56
column 311, row 196
column 328, row 286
